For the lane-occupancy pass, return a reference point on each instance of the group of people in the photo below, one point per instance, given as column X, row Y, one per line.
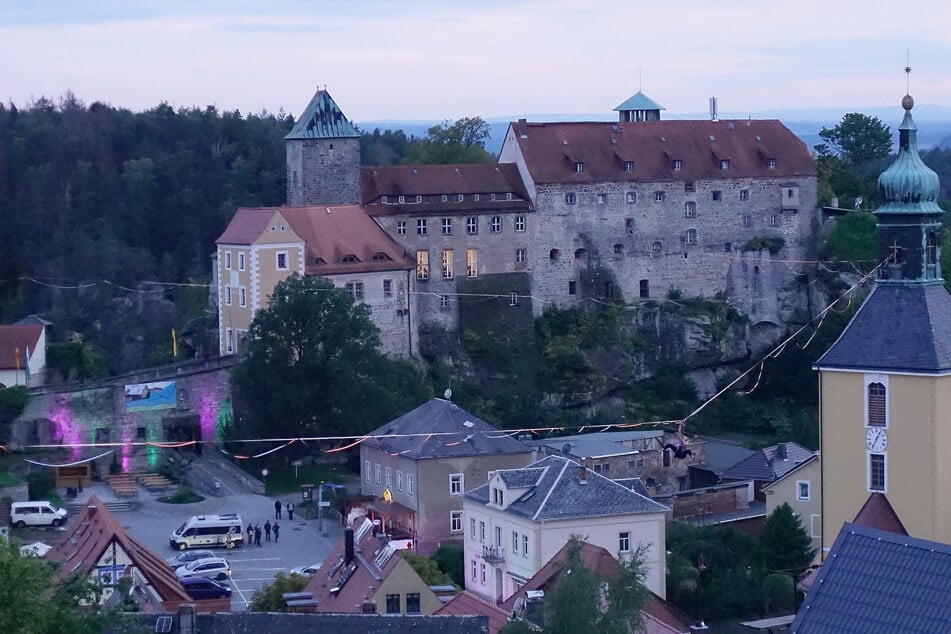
column 256, row 530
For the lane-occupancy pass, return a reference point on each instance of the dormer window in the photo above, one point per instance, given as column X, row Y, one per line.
column 498, row 497
column 578, row 167
column 475, row 197
column 461, row 197
column 678, row 165
column 350, row 259
column 419, row 199
column 380, row 257
column 402, row 199
column 508, row 196
column 771, row 164
column 445, row 198
column 628, row 166
column 724, row 164
column 383, row 199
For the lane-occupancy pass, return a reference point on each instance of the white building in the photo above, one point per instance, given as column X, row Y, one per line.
column 520, row 518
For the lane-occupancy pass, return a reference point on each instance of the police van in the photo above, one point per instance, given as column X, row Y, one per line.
column 202, row 531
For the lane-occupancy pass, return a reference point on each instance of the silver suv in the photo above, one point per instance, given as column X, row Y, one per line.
column 212, row 567
column 185, row 558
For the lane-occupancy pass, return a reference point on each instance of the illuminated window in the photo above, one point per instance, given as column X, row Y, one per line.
column 447, row 264
column 472, row 263
column 422, row 265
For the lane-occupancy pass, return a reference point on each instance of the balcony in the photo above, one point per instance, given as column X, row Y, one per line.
column 493, row 554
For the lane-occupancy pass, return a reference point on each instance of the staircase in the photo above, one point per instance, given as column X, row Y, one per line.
column 118, row 506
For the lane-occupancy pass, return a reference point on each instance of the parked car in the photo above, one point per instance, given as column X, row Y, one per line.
column 205, row 588
column 185, row 558
column 305, row 571
column 214, row 567
column 36, row 513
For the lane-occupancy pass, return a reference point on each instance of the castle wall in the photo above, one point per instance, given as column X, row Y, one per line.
column 392, row 311
column 323, row 172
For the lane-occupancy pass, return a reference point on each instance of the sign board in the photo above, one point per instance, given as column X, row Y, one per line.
column 323, row 503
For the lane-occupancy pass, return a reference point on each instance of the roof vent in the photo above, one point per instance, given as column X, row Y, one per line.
column 613, row 141
column 759, row 138
column 328, row 210
column 564, row 143
column 663, row 139
column 730, row 125
column 468, row 423
column 713, row 138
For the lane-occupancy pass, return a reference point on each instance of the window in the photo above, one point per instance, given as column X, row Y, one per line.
column 472, row 225
column 368, row 471
column 383, row 199
column 455, row 484
column 475, row 571
column 514, row 542
column 802, row 490
column 241, row 261
column 419, row 199
column 555, row 254
column 350, row 259
column 496, row 224
column 524, row 545
column 747, row 220
column 228, row 260
column 744, row 194
column 572, row 287
column 410, row 485
column 716, row 195
column 140, row 433
column 482, row 532
column 815, row 525
column 631, row 197
column 724, row 164
column 657, row 247
column 520, row 223
column 412, row 603
column 392, row 604
column 379, row 474
column 472, row 534
column 618, row 248
column 399, row 481
column 447, row 226
column 689, row 187
column 690, row 209
column 475, row 197
column 498, row 497
column 773, row 220
column 460, row 197
column 578, row 167
column 498, row 536
column 282, row 261
column 242, row 296
column 678, row 165
column 508, row 195
column 227, row 296
column 624, row 542
column 601, row 198
column 666, row 457
column 472, row 263
column 602, row 467
column 455, row 521
column 387, row 288
column 402, row 199
column 691, row 236
column 421, row 228
column 519, row 255
column 491, row 196
column 356, row 290
column 482, row 571
column 229, row 340
column 628, row 166
column 876, row 472
column 876, row 405
column 570, row 198
column 447, row 264
column 636, row 463
column 422, row 265
column 445, row 198
column 644, row 291
column 444, row 301
column 771, row 164
column 389, row 477
column 660, row 196
column 401, row 227
column 513, row 299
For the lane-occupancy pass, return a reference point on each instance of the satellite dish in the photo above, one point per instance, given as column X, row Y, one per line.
column 448, row 393
column 566, row 449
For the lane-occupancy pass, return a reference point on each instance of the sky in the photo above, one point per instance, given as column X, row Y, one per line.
column 429, row 60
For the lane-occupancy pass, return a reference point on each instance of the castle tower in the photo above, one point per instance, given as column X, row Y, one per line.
column 885, row 384
column 639, row 107
column 323, row 156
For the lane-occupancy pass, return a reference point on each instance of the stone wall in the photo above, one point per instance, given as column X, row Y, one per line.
column 721, row 499
column 391, row 311
column 323, row 172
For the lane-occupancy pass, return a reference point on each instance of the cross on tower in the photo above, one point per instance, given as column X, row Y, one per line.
column 895, row 256
column 907, row 72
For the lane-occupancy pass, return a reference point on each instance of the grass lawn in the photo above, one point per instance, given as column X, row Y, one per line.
column 6, row 479
column 282, row 481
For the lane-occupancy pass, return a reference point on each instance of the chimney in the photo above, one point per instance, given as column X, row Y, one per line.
column 582, row 474
column 348, row 547
column 781, row 451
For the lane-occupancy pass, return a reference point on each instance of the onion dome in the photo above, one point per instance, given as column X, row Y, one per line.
column 908, row 186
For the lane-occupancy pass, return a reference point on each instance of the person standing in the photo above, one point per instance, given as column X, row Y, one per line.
column 257, row 535
column 290, row 511
column 277, row 509
column 250, row 534
column 267, row 531
column 277, row 531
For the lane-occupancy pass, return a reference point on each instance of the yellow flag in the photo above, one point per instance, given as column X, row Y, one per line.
column 174, row 344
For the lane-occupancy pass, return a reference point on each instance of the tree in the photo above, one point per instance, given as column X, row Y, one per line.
column 785, row 545
column 574, row 603
column 627, row 595
column 427, row 569
column 270, row 596
column 460, row 141
column 857, row 140
column 451, row 559
column 314, row 366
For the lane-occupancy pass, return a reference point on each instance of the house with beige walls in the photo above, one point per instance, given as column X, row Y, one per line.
column 521, row 518
column 801, row 489
column 22, row 355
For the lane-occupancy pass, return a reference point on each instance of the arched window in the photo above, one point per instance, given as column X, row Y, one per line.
column 691, row 236
column 690, row 209
column 876, row 405
column 554, row 254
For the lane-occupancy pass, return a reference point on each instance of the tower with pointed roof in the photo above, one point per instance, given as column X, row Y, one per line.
column 323, row 156
column 885, row 384
column 638, row 107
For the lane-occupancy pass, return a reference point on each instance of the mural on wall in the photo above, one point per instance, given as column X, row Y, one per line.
column 141, row 397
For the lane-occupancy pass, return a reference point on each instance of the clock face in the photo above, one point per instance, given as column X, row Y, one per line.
column 876, row 439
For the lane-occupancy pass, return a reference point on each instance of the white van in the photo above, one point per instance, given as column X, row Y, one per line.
column 202, row 531
column 36, row 513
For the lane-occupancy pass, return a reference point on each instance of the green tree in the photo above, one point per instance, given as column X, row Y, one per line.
column 853, row 239
column 785, row 545
column 427, row 569
column 858, row 140
column 270, row 596
column 573, row 604
column 627, row 595
column 460, row 141
column 314, row 366
column 451, row 559
column 75, row 361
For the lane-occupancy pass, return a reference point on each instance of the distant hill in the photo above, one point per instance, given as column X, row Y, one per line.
column 934, row 122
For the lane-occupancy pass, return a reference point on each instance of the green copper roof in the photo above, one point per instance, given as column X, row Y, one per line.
column 322, row 119
column 908, row 186
column 640, row 101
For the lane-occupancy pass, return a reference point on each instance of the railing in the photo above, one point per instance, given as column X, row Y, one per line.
column 493, row 554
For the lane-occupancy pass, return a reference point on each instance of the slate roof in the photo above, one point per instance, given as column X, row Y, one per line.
column 562, row 494
column 639, row 101
column 765, row 465
column 522, row 478
column 792, row 471
column 322, row 119
column 432, row 181
column 316, row 623
column 634, row 484
column 551, row 149
column 873, row 581
column 877, row 512
column 721, row 455
column 330, row 233
column 597, row 444
column 466, row 603
column 13, row 338
column 910, row 325
column 439, row 429
column 660, row 617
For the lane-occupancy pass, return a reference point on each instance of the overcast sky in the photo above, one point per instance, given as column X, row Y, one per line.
column 416, row 59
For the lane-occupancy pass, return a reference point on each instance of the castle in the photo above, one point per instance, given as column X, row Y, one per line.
column 571, row 213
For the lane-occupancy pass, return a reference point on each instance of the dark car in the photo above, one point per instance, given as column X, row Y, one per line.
column 205, row 588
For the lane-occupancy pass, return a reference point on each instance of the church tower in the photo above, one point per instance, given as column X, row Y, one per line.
column 323, row 156
column 885, row 384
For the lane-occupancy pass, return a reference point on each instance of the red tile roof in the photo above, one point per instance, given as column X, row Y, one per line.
column 92, row 531
column 660, row 616
column 877, row 512
column 246, row 226
column 468, row 604
column 551, row 149
column 13, row 338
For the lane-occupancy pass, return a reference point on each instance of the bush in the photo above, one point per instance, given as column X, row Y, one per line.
column 451, row 560
column 185, row 495
column 41, row 485
column 13, row 401
column 763, row 243
column 853, row 239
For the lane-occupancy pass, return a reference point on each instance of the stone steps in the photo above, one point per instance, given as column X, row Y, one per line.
column 118, row 506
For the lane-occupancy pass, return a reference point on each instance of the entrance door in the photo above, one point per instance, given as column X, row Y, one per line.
column 498, row 585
